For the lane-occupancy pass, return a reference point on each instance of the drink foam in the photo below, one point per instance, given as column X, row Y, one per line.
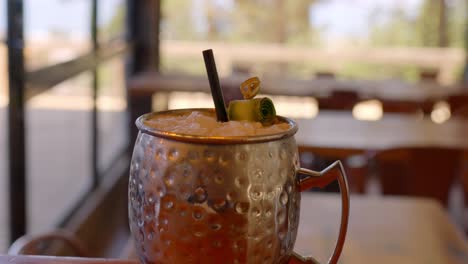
column 204, row 124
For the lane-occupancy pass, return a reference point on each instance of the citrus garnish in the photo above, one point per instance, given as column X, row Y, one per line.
column 250, row 87
column 252, row 109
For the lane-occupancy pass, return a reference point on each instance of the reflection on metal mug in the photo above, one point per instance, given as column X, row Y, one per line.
column 201, row 199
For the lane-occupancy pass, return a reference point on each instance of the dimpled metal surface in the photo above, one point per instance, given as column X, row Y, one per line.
column 213, row 203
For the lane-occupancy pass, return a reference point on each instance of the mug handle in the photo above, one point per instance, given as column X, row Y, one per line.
column 321, row 179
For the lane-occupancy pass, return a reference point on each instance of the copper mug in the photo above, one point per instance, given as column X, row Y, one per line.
column 204, row 199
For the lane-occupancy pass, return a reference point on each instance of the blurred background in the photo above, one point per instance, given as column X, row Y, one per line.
column 74, row 75
column 336, row 28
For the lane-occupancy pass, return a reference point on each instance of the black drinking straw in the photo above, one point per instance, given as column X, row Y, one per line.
column 216, row 91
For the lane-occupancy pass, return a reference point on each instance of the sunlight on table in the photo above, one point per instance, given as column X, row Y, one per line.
column 370, row 110
column 441, row 112
column 179, row 100
column 296, row 107
column 290, row 106
column 76, row 102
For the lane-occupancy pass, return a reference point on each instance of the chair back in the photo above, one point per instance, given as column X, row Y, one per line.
column 428, row 75
column 418, row 171
column 459, row 104
column 401, row 107
column 39, row 244
column 339, row 100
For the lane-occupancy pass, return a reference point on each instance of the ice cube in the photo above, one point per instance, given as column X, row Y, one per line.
column 202, row 124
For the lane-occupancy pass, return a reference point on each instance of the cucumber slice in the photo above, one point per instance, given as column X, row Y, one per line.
column 241, row 110
column 258, row 110
column 265, row 111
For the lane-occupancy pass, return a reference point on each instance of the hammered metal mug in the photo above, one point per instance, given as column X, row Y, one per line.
column 204, row 199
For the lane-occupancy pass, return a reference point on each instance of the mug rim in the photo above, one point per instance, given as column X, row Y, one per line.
column 211, row 139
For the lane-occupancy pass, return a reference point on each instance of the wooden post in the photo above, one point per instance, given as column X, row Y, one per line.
column 143, row 23
column 94, row 113
column 16, row 126
column 465, row 73
column 443, row 34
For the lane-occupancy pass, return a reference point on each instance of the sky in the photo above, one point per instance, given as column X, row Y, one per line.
column 65, row 15
column 350, row 17
column 337, row 17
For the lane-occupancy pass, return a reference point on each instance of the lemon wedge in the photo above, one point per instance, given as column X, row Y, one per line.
column 250, row 87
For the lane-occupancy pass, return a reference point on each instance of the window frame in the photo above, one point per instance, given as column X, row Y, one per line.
column 141, row 53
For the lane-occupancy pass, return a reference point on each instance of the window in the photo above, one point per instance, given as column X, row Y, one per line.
column 74, row 97
column 112, row 115
column 111, row 21
column 55, row 31
column 58, row 150
column 111, row 97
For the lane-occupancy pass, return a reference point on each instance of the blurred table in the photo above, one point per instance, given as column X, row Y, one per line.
column 148, row 83
column 338, row 134
column 384, row 230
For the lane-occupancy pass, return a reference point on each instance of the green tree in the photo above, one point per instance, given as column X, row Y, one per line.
column 177, row 20
column 427, row 24
column 395, row 30
column 435, row 25
column 116, row 25
column 438, row 23
column 275, row 21
column 458, row 23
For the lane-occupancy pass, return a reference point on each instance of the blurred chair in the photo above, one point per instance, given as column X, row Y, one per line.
column 325, row 75
column 418, row 171
column 427, row 106
column 339, row 100
column 242, row 70
column 401, row 107
column 459, row 104
column 464, row 181
column 39, row 244
column 356, row 167
column 461, row 112
column 357, row 170
column 464, row 176
column 428, row 75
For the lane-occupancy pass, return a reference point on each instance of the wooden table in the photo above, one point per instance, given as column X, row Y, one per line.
column 390, row 90
column 60, row 260
column 381, row 230
column 394, row 94
column 339, row 134
column 384, row 230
